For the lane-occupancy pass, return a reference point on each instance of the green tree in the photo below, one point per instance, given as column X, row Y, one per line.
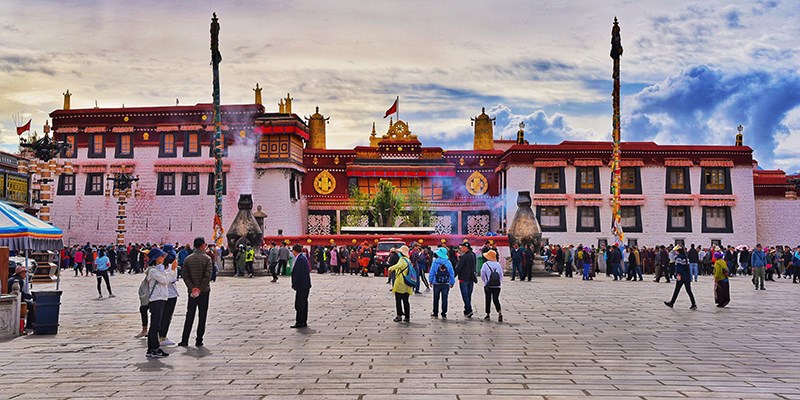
column 386, row 205
column 359, row 207
column 419, row 209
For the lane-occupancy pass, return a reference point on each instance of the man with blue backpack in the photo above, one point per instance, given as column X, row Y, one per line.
column 443, row 279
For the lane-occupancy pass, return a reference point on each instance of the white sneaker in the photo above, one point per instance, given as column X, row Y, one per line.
column 166, row 342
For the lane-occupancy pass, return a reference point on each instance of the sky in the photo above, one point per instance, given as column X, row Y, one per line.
column 691, row 71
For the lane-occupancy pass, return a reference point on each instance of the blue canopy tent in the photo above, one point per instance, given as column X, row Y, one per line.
column 22, row 232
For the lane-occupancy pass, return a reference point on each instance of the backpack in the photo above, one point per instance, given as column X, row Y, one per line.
column 442, row 275
column 494, row 277
column 411, row 277
column 145, row 291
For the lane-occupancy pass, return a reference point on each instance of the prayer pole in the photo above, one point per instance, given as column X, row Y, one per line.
column 216, row 58
column 616, row 53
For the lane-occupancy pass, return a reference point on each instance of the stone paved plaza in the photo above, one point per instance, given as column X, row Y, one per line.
column 562, row 339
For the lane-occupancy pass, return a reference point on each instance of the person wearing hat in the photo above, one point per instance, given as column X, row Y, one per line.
column 467, row 278
column 683, row 277
column 492, row 277
column 722, row 292
column 401, row 290
column 442, row 277
column 158, row 279
column 172, row 298
column 20, row 278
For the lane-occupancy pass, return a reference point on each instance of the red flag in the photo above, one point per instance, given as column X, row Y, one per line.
column 24, row 128
column 393, row 108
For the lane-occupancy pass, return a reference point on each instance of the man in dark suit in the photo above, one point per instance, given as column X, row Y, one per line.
column 301, row 283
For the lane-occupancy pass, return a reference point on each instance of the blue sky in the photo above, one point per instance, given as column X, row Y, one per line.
column 692, row 71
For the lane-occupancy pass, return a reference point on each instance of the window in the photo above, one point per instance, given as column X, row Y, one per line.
column 631, row 218
column 550, row 180
column 224, row 145
column 72, row 150
column 190, row 184
column 679, row 219
column 191, row 147
column 97, row 149
column 66, row 185
column 633, row 242
column 94, row 184
column 678, row 180
column 166, row 148
column 552, row 219
column 680, row 242
column 432, row 189
column 716, row 181
column 587, row 180
column 166, row 184
column 717, row 220
column 224, row 184
column 294, row 188
column 273, row 147
column 124, row 147
column 588, row 219
column 630, row 180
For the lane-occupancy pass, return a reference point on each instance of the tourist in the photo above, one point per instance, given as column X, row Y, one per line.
column 172, row 297
column 365, row 259
column 467, row 277
column 79, row 262
column 20, row 278
column 249, row 258
column 758, row 263
column 197, row 277
column 517, row 259
column 527, row 264
column 492, row 277
column 158, row 279
column 559, row 259
column 787, row 262
column 344, row 260
column 694, row 261
column 795, row 265
column 144, row 306
column 301, row 283
column 401, row 290
column 213, row 253
column 283, row 259
column 112, row 258
column 421, row 263
column 682, row 277
column 744, row 261
column 272, row 260
column 442, row 277
column 731, row 260
column 634, row 264
column 239, row 260
column 103, row 264
column 722, row 290
column 569, row 255
column 333, row 256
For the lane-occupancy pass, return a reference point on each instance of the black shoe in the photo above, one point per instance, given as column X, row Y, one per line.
column 157, row 353
column 434, row 316
column 469, row 315
column 444, row 316
column 500, row 318
column 668, row 304
column 198, row 343
column 298, row 326
column 762, row 288
column 183, row 343
column 486, row 318
column 693, row 307
column 397, row 319
column 407, row 320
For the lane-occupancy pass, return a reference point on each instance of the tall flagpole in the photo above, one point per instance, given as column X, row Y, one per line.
column 216, row 58
column 616, row 53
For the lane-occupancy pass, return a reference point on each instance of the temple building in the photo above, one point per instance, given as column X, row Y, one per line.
column 670, row 193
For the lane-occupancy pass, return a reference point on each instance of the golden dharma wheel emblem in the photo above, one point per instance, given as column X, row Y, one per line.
column 324, row 183
column 126, row 119
column 204, row 117
column 146, row 136
column 477, row 184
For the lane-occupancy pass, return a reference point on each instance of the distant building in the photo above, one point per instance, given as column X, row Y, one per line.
column 14, row 186
column 685, row 194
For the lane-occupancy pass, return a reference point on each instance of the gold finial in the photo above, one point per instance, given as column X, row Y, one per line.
column 373, row 129
column 316, row 126
column 46, row 128
column 67, row 96
column 287, row 107
column 258, row 94
column 740, row 136
column 484, row 133
column 281, row 107
column 521, row 133
column 95, row 104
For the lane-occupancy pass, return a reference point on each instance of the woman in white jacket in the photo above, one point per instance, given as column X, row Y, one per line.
column 158, row 280
column 492, row 277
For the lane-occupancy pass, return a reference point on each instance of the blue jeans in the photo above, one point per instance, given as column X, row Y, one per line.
column 617, row 271
column 440, row 291
column 466, row 295
column 517, row 268
column 586, row 268
column 693, row 270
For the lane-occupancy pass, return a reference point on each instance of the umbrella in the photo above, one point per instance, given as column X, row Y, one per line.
column 20, row 231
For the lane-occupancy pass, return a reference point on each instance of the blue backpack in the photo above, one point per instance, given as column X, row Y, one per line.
column 411, row 277
column 442, row 275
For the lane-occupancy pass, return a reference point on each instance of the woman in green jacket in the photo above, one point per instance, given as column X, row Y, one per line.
column 401, row 290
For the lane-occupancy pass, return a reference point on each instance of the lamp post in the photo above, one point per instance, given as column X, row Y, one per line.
column 43, row 167
column 122, row 182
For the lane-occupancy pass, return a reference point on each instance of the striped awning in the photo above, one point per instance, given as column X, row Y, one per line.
column 677, row 162
column 549, row 163
column 122, row 129
column 95, row 129
column 716, row 163
column 167, row 128
column 588, row 163
column 20, row 231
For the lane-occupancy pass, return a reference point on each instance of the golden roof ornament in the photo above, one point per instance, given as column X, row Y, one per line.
column 484, row 133
column 258, row 94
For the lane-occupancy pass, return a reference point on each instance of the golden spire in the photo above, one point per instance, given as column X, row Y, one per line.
column 316, row 124
column 484, row 133
column 287, row 104
column 281, row 107
column 67, row 96
column 373, row 138
column 258, row 94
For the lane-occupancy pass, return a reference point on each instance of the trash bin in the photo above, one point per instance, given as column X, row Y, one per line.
column 47, row 305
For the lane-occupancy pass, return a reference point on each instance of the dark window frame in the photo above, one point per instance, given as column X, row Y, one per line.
column 187, row 137
column 562, row 226
column 74, row 153
column 185, row 191
column 595, row 189
column 160, row 191
column 91, row 152
column 637, row 189
column 726, row 190
column 636, row 228
column 210, row 189
column 562, row 186
column 89, row 190
column 687, row 181
column 117, row 148
column 62, row 189
column 161, row 145
column 596, row 228
column 294, row 188
column 728, row 221
column 687, row 217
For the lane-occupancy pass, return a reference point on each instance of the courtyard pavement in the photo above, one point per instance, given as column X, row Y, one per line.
column 561, row 339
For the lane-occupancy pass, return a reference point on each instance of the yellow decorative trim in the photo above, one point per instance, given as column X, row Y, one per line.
column 126, row 119
column 204, row 117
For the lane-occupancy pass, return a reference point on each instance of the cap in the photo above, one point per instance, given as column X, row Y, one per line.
column 490, row 255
